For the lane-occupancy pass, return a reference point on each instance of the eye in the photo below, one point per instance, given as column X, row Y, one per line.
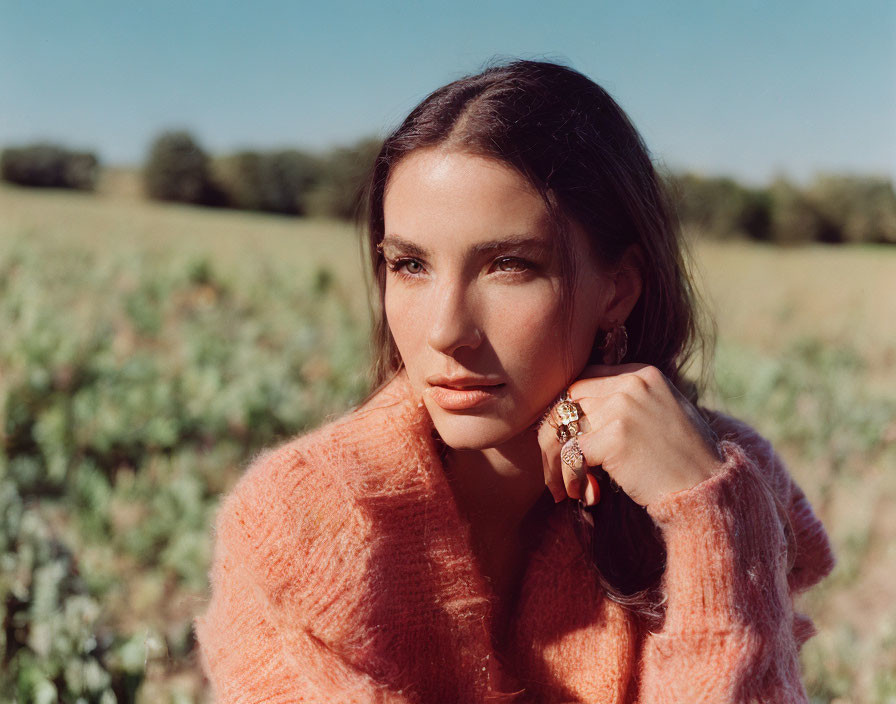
column 512, row 265
column 405, row 266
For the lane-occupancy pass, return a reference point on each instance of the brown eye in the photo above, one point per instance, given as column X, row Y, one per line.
column 512, row 265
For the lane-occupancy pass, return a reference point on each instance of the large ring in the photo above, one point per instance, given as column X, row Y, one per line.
column 573, row 457
column 569, row 414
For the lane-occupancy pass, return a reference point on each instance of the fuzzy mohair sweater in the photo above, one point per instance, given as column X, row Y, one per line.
column 344, row 572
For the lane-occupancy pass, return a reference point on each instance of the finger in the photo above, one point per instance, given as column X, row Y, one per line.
column 604, row 370
column 562, row 481
column 599, row 420
column 601, row 447
column 552, row 479
column 592, row 490
column 598, row 411
column 638, row 383
column 573, row 468
column 550, row 460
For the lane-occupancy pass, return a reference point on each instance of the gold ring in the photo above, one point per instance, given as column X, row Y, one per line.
column 569, row 414
column 573, row 457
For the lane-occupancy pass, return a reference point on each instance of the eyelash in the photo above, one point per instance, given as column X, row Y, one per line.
column 395, row 265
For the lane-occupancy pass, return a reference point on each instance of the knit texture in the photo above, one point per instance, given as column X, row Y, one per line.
column 344, row 572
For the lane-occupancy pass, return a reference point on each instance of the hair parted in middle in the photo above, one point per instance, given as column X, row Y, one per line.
column 579, row 151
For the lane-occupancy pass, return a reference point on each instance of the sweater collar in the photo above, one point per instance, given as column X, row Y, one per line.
column 408, row 499
column 432, row 604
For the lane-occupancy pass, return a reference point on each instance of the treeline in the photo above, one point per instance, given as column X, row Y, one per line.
column 178, row 169
column 49, row 166
column 831, row 209
column 286, row 181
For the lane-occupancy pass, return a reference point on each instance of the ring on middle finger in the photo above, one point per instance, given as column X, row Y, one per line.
column 573, row 457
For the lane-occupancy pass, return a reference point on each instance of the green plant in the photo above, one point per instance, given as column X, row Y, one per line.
column 53, row 644
column 131, row 394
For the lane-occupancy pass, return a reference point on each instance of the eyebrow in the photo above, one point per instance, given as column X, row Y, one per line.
column 518, row 242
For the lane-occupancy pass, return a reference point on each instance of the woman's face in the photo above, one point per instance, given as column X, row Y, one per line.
column 473, row 295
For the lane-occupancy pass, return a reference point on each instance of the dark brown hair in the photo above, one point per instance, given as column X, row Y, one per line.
column 576, row 147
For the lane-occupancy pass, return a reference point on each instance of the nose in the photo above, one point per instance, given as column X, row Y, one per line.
column 453, row 324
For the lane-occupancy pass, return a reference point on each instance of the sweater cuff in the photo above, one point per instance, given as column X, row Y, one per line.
column 725, row 546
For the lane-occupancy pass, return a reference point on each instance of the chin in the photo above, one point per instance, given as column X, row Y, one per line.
column 471, row 432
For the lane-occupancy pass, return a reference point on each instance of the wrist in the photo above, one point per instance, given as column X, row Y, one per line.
column 694, row 473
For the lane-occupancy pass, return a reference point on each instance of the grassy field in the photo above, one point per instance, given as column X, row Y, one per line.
column 148, row 350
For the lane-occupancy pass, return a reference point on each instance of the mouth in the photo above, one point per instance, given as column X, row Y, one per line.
column 463, row 398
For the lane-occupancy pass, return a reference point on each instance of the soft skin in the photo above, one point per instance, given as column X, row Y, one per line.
column 453, row 309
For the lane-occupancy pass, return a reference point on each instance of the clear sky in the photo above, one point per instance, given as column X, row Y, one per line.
column 746, row 88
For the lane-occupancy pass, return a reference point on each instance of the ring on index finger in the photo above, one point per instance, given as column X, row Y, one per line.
column 569, row 414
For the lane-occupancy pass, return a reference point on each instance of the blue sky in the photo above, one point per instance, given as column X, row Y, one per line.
column 746, row 88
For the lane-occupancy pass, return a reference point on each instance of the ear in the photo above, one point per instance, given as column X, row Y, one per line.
column 628, row 283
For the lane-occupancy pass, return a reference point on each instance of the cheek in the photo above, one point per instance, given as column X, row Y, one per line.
column 405, row 320
column 526, row 332
column 529, row 337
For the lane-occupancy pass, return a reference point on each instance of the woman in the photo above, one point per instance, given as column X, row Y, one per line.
column 529, row 506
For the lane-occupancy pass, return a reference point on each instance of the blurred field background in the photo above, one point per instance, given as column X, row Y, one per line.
column 149, row 349
column 180, row 285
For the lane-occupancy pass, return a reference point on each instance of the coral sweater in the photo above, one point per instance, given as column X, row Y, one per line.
column 344, row 572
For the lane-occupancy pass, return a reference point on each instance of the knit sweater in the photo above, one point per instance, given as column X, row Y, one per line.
column 344, row 572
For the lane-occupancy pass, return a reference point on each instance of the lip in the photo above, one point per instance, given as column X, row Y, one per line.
column 462, row 382
column 451, row 399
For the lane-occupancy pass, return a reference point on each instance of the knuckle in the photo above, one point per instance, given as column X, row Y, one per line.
column 623, row 402
column 620, row 428
column 635, row 384
column 652, row 376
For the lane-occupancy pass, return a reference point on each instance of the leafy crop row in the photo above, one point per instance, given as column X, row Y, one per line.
column 132, row 392
column 134, row 387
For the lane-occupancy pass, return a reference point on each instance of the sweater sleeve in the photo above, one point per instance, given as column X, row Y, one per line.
column 254, row 639
column 739, row 545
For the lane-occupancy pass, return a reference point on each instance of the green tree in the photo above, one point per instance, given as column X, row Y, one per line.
column 178, row 169
column 797, row 218
column 49, row 166
column 721, row 208
column 277, row 181
column 863, row 208
column 344, row 172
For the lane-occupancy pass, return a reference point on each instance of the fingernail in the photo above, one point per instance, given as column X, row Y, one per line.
column 592, row 491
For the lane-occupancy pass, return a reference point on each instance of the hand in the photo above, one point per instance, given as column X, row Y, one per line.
column 647, row 436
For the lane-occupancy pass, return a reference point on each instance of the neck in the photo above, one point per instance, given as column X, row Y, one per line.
column 496, row 487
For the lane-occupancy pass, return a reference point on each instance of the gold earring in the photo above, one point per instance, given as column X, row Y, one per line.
column 615, row 345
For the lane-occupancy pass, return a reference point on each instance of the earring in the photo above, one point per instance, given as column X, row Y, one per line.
column 615, row 345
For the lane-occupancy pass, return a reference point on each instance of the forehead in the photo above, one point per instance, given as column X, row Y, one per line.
column 442, row 199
